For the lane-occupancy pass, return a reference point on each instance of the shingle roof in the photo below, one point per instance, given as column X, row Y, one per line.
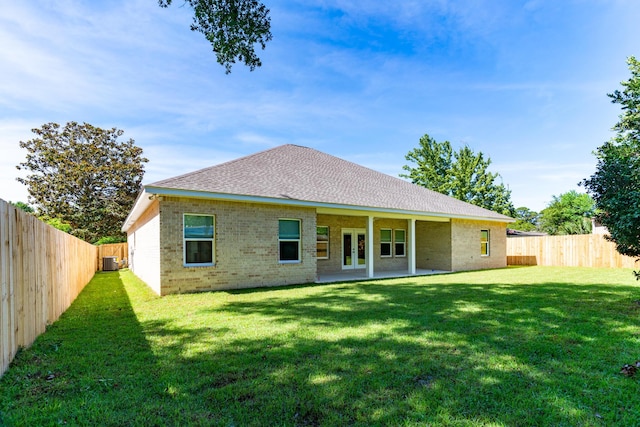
column 291, row 172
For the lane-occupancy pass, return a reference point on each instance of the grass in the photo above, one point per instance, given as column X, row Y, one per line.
column 514, row 347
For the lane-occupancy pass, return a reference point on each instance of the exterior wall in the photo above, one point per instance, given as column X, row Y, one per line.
column 144, row 247
column 465, row 245
column 246, row 246
column 433, row 245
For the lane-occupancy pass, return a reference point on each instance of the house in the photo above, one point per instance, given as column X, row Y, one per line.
column 292, row 215
column 597, row 227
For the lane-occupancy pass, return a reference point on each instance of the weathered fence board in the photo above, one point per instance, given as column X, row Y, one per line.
column 42, row 270
column 584, row 250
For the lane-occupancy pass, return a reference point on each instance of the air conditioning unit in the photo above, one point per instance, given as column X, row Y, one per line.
column 110, row 263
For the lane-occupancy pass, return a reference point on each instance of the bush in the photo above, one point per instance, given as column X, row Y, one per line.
column 110, row 239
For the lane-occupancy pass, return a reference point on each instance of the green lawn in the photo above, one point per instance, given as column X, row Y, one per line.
column 519, row 346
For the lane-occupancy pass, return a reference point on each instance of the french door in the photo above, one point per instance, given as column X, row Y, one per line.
column 353, row 248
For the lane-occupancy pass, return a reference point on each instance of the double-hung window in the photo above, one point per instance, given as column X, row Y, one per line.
column 322, row 242
column 484, row 242
column 385, row 242
column 400, row 241
column 199, row 238
column 289, row 240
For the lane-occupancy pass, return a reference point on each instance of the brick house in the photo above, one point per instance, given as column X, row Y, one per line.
column 292, row 215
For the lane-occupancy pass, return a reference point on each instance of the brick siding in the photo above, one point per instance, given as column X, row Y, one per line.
column 246, row 246
column 465, row 245
column 433, row 245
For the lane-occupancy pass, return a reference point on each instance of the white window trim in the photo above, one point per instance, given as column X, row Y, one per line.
column 488, row 243
column 198, row 239
column 324, row 242
column 404, row 243
column 390, row 243
column 299, row 240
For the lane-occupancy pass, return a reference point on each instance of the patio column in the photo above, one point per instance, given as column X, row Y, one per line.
column 412, row 246
column 370, row 247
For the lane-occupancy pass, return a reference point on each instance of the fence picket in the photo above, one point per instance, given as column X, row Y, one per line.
column 42, row 270
column 584, row 250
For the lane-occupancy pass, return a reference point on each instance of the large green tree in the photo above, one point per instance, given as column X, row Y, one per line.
column 462, row 174
column 233, row 27
column 526, row 219
column 83, row 176
column 568, row 213
column 615, row 186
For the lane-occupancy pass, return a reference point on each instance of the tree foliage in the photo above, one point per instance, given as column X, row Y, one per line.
column 615, row 186
column 57, row 223
column 82, row 176
column 23, row 207
column 462, row 174
column 233, row 27
column 526, row 219
column 568, row 213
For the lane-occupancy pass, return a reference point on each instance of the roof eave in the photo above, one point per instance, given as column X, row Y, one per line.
column 142, row 203
column 150, row 191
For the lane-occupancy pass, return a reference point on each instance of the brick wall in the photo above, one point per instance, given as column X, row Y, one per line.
column 433, row 245
column 246, row 246
column 465, row 241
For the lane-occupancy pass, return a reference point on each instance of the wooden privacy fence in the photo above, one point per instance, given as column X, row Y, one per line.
column 583, row 250
column 118, row 250
column 42, row 270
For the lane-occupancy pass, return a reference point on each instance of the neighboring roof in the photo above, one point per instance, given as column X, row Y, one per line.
column 291, row 173
column 518, row 233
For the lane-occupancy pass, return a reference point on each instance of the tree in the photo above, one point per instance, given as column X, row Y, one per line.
column 615, row 186
column 233, row 27
column 462, row 174
column 526, row 219
column 23, row 207
column 57, row 223
column 568, row 213
column 83, row 176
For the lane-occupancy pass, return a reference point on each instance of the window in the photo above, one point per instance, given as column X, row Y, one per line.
column 400, row 240
column 385, row 242
column 198, row 234
column 322, row 242
column 289, row 240
column 484, row 242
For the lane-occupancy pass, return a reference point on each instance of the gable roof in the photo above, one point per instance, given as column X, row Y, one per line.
column 292, row 174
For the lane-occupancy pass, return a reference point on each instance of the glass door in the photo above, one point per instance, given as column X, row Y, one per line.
column 353, row 248
column 360, row 250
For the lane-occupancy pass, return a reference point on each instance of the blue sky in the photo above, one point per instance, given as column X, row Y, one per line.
column 524, row 82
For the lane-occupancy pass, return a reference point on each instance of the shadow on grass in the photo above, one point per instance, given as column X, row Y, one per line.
column 93, row 366
column 395, row 352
